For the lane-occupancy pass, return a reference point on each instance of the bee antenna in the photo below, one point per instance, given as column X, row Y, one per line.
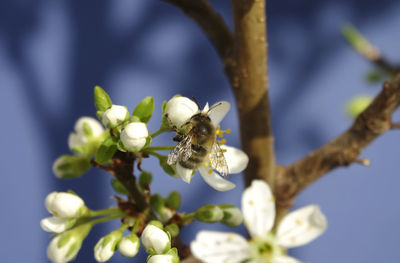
column 197, row 103
column 214, row 106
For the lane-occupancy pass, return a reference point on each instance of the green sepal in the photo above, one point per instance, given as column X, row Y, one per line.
column 173, row 200
column 106, row 150
column 102, row 101
column 99, row 114
column 134, row 118
column 118, row 187
column 71, row 166
column 144, row 110
column 148, row 141
column 172, row 229
column 157, row 203
column 121, row 147
column 232, row 215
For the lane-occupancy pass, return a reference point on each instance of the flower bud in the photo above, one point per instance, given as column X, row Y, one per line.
column 163, row 259
column 172, row 229
column 232, row 215
column 209, row 214
column 173, row 200
column 85, row 129
column 155, row 240
column 129, row 245
column 106, row 246
column 114, row 116
column 65, row 204
column 134, row 136
column 71, row 166
column 179, row 110
column 57, row 224
column 64, row 247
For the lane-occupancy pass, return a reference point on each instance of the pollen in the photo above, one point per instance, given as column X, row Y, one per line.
column 222, row 142
column 206, row 164
column 227, row 131
column 210, row 171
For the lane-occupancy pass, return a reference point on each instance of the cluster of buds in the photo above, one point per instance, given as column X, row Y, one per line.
column 226, row 214
column 128, row 245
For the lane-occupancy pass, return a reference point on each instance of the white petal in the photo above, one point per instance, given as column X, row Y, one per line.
column 54, row 224
column 301, row 226
column 180, row 109
column 236, row 159
column 64, row 204
column 284, row 259
column 218, row 111
column 185, row 174
column 215, row 180
column 218, row 247
column 258, row 206
column 161, row 259
column 206, row 108
column 156, row 239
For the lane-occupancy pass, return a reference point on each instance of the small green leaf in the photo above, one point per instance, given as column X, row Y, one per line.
column 118, row 187
column 101, row 99
column 166, row 167
column 163, row 106
column 106, row 150
column 121, row 147
column 145, row 179
column 144, row 110
column 173, row 200
column 157, row 203
column 172, row 229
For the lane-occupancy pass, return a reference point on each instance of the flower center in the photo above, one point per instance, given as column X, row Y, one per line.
column 265, row 249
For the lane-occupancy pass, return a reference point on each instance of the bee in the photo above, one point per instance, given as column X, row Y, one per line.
column 198, row 144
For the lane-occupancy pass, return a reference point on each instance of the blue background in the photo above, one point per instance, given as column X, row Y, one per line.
column 52, row 54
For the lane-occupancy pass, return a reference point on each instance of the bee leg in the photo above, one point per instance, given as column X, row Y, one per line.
column 178, row 137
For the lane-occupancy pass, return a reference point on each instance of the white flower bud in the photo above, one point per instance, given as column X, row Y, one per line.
column 155, row 240
column 85, row 128
column 163, row 259
column 65, row 204
column 56, row 224
column 107, row 245
column 64, row 247
column 129, row 245
column 115, row 115
column 134, row 136
column 179, row 110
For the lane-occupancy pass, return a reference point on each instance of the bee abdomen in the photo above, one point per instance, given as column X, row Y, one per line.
column 193, row 162
column 199, row 150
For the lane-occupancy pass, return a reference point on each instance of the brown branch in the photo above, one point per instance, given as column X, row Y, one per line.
column 250, row 86
column 211, row 23
column 341, row 151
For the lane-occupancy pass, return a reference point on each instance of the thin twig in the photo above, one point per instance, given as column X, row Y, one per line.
column 341, row 151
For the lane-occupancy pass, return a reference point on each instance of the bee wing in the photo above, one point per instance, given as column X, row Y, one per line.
column 217, row 160
column 182, row 151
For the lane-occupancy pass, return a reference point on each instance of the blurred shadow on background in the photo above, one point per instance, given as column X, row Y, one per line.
column 97, row 50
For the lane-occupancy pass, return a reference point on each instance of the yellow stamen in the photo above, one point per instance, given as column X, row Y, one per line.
column 224, row 150
column 222, row 142
column 227, row 131
column 206, row 164
column 210, row 171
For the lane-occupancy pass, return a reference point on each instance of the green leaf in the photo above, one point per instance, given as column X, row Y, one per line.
column 144, row 110
column 118, row 187
column 157, row 203
column 166, row 167
column 106, row 150
column 71, row 166
column 145, row 179
column 173, row 200
column 101, row 99
column 173, row 230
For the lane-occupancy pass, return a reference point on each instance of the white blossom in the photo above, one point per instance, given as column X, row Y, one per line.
column 163, row 259
column 236, row 159
column 134, row 136
column 106, row 246
column 86, row 128
column 129, row 245
column 114, row 116
column 64, row 247
column 155, row 239
column 179, row 110
column 56, row 224
column 297, row 228
column 63, row 204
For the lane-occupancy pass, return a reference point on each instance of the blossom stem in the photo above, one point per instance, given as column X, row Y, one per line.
column 158, row 148
column 156, row 133
column 187, row 219
column 155, row 154
column 105, row 219
column 108, row 211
